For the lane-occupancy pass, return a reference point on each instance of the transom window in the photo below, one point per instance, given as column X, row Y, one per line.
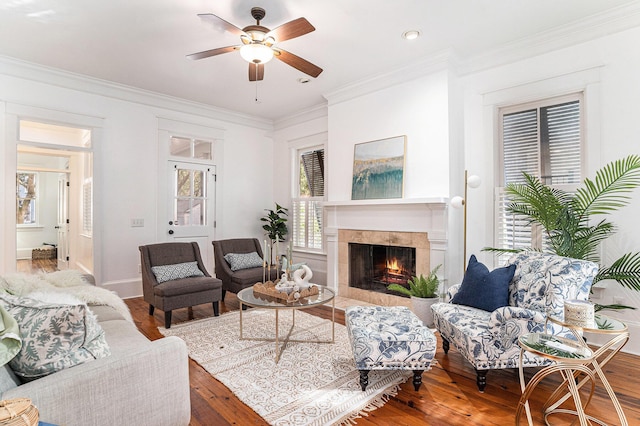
column 190, row 148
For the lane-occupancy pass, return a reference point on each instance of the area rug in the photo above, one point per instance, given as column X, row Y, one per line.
column 312, row 384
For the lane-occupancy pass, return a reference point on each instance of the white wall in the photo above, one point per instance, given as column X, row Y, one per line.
column 309, row 127
column 606, row 69
column 126, row 162
column 418, row 109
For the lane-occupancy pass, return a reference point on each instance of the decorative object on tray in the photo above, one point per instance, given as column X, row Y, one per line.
column 269, row 289
column 287, row 290
column 18, row 412
column 580, row 313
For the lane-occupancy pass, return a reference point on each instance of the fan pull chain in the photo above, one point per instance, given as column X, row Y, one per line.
column 257, row 101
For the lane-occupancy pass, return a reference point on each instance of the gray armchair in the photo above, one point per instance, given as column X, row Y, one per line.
column 234, row 281
column 180, row 292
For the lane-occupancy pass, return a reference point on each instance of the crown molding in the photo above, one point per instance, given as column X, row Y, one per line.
column 303, row 116
column 439, row 61
column 590, row 28
column 66, row 79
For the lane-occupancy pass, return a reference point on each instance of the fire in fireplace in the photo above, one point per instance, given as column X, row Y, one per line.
column 373, row 267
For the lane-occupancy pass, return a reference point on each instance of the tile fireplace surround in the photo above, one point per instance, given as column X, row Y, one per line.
column 403, row 223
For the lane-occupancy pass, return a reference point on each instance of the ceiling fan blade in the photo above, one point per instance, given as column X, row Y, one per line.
column 256, row 72
column 212, row 52
column 218, row 22
column 298, row 63
column 291, row 29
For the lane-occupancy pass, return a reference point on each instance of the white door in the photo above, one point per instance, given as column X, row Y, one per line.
column 62, row 223
column 191, row 206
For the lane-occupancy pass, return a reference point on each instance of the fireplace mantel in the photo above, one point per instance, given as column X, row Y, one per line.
column 406, row 215
column 436, row 202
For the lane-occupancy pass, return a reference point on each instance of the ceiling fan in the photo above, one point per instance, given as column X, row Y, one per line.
column 258, row 43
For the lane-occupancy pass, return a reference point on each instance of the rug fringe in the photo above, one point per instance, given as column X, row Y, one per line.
column 372, row 405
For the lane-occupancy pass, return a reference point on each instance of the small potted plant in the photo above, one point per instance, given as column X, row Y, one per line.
column 424, row 293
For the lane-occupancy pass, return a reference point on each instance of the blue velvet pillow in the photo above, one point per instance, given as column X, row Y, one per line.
column 483, row 289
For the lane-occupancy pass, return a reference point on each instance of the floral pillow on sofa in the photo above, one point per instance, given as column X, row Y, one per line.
column 58, row 331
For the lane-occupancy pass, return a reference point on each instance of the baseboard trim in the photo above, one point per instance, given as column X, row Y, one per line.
column 126, row 289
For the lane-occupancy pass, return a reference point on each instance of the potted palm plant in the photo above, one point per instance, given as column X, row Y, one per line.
column 423, row 292
column 568, row 220
column 275, row 225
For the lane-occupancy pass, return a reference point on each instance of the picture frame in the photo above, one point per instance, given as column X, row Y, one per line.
column 378, row 169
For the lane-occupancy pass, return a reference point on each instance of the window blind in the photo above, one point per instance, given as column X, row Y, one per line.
column 313, row 165
column 543, row 140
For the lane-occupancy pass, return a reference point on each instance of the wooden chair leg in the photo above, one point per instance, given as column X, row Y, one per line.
column 216, row 308
column 151, row 309
column 481, row 379
column 224, row 292
column 167, row 319
column 364, row 379
column 417, row 379
column 445, row 345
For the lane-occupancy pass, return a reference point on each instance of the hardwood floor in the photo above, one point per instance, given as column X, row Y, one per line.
column 36, row 266
column 448, row 396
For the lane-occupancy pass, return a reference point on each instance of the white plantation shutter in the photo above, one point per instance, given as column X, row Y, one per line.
column 544, row 140
column 307, row 224
column 561, row 123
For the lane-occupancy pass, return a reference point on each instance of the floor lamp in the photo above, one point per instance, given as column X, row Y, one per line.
column 457, row 202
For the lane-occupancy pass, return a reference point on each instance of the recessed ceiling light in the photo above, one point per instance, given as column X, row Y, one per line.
column 303, row 80
column 411, row 34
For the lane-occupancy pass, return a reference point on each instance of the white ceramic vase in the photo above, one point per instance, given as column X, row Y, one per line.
column 421, row 306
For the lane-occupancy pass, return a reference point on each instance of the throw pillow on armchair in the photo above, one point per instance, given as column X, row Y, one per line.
column 484, row 289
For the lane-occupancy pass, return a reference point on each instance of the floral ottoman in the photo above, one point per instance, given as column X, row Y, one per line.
column 389, row 338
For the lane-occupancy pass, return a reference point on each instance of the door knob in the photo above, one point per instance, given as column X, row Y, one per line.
column 170, row 231
column 170, row 222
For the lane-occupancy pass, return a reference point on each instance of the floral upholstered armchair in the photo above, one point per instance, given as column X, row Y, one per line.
column 489, row 339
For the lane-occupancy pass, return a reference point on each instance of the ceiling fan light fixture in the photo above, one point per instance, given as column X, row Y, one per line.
column 256, row 53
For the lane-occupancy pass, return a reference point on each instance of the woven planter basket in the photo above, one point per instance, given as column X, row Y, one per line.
column 18, row 412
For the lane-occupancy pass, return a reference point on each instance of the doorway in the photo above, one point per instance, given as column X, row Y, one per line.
column 53, row 199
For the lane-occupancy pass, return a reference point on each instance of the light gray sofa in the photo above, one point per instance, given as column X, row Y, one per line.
column 142, row 382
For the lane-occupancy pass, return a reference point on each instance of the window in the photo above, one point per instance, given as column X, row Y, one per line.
column 190, row 148
column 543, row 139
column 307, row 201
column 26, row 196
column 190, row 201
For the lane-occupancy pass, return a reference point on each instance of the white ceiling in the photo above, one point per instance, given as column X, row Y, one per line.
column 143, row 43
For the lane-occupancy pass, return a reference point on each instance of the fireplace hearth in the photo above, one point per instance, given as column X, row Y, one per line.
column 373, row 267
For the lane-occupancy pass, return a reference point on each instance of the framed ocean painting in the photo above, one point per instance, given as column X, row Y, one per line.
column 378, row 169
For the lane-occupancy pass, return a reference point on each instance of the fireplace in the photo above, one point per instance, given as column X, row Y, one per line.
column 417, row 223
column 373, row 267
column 412, row 249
